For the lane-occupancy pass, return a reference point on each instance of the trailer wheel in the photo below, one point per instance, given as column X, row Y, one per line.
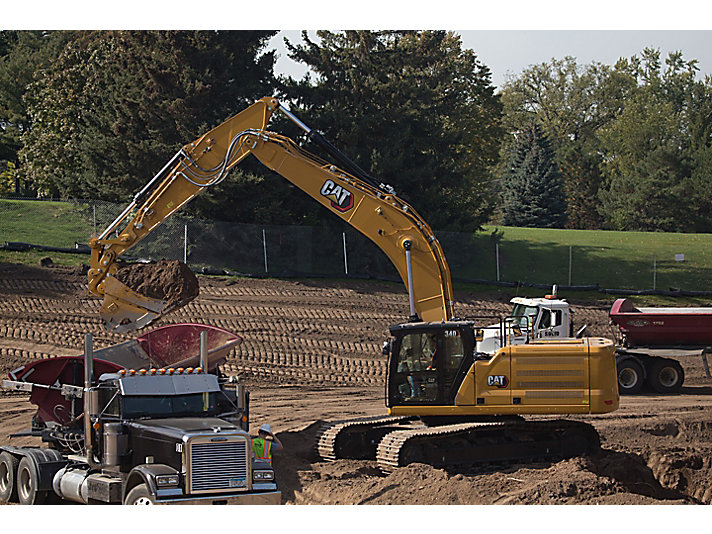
column 139, row 495
column 630, row 377
column 28, row 481
column 666, row 375
column 8, row 474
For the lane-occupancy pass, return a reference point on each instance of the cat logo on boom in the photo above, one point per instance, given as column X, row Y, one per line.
column 341, row 199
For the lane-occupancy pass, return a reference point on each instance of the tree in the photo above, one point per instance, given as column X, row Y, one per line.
column 22, row 55
column 532, row 191
column 571, row 103
column 654, row 148
column 115, row 106
column 413, row 108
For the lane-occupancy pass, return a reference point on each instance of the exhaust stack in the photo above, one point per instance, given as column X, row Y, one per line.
column 88, row 398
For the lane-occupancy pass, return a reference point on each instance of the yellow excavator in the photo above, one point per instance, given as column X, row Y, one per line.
column 448, row 405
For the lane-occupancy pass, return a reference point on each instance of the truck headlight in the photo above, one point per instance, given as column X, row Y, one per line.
column 167, row 480
column 262, row 475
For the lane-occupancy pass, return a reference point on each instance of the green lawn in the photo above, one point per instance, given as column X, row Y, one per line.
column 615, row 260
column 57, row 224
column 611, row 259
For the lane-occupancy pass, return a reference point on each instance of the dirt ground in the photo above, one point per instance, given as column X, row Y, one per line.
column 311, row 353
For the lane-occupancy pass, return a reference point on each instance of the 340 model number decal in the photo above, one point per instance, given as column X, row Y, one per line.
column 341, row 198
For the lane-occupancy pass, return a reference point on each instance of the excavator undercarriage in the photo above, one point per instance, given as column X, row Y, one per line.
column 398, row 441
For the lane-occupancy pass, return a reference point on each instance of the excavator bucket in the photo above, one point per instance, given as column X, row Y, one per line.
column 125, row 310
column 140, row 293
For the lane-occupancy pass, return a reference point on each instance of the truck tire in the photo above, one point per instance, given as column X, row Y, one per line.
column 8, row 474
column 139, row 495
column 630, row 377
column 666, row 375
column 27, row 482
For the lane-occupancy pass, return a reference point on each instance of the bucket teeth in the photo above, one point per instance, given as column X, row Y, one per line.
column 125, row 310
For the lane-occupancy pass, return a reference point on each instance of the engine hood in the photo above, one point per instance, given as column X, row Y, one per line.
column 177, row 427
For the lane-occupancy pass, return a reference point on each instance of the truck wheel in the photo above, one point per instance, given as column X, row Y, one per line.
column 630, row 377
column 28, row 481
column 139, row 495
column 666, row 375
column 8, row 474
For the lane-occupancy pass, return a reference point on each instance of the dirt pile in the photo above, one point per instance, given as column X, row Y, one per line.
column 607, row 477
column 169, row 280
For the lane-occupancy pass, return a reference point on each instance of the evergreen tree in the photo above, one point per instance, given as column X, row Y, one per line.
column 115, row 106
column 412, row 108
column 532, row 190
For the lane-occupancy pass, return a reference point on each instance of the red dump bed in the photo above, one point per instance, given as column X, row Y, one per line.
column 175, row 345
column 662, row 327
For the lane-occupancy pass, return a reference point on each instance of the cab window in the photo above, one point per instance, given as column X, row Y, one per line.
column 524, row 316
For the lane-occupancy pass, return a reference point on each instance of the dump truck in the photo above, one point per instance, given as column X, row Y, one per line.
column 149, row 434
column 645, row 340
column 646, row 333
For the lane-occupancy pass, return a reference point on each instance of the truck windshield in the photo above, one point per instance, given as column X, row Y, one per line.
column 169, row 406
column 524, row 316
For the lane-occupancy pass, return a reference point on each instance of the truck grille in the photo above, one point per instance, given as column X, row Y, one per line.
column 218, row 465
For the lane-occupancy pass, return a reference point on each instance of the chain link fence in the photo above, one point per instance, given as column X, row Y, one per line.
column 217, row 247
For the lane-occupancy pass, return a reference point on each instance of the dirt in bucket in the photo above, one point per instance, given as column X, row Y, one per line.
column 169, row 280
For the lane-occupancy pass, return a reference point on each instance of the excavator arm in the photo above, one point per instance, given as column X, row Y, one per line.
column 369, row 206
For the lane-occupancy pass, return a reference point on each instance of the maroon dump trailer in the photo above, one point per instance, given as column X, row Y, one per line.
column 643, row 329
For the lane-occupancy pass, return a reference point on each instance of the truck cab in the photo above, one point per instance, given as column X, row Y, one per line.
column 135, row 436
column 530, row 319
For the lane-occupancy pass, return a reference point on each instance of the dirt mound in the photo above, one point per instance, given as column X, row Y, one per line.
column 687, row 471
column 169, row 280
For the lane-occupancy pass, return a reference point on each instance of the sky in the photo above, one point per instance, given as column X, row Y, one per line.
column 507, row 36
column 508, row 52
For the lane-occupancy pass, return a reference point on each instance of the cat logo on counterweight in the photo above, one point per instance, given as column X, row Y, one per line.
column 341, row 198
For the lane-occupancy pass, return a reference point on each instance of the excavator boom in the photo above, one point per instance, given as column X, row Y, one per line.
column 347, row 191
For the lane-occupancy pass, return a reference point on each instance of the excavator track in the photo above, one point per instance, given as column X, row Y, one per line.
column 472, row 444
column 356, row 438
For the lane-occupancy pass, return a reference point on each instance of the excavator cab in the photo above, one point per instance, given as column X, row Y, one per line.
column 428, row 361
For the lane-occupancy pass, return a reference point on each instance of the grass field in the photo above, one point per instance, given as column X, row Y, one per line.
column 615, row 260
column 57, row 224
column 628, row 260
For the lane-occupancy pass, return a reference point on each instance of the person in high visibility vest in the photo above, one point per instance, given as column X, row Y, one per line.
column 265, row 444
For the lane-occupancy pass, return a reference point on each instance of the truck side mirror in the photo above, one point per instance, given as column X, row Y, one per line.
column 581, row 331
column 386, row 348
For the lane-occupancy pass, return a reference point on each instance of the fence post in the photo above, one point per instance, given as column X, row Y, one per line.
column 264, row 247
column 570, row 258
column 496, row 250
column 655, row 270
column 185, row 244
column 346, row 261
